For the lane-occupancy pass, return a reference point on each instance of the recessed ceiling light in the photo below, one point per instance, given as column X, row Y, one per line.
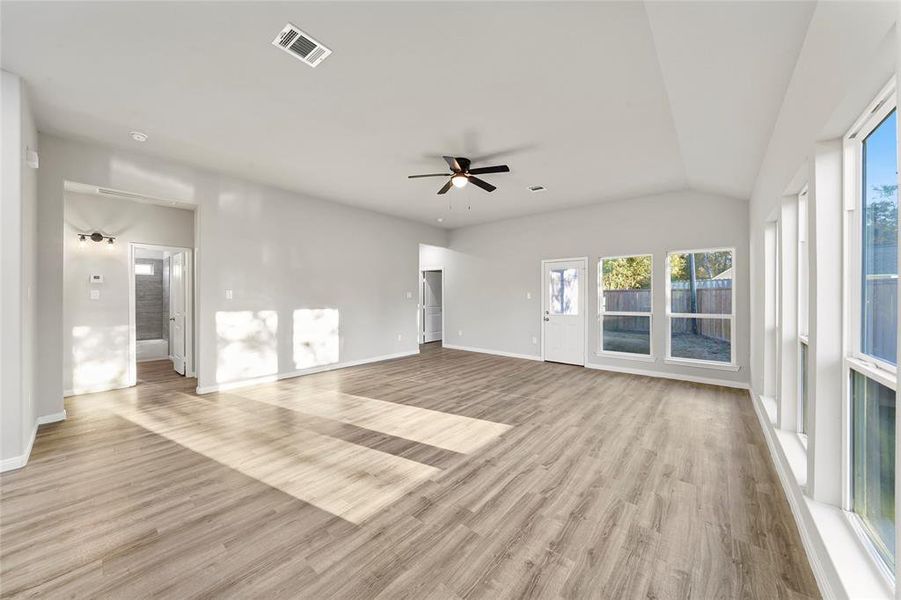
column 138, row 136
column 440, row 219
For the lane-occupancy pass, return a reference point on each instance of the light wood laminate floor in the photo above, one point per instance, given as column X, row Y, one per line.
column 444, row 475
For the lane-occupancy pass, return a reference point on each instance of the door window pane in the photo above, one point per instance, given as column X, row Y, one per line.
column 701, row 282
column 805, row 407
column 879, row 216
column 701, row 338
column 873, row 461
column 626, row 283
column 564, row 291
column 627, row 334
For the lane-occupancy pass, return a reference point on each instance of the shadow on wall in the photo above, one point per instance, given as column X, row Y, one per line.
column 247, row 346
column 99, row 358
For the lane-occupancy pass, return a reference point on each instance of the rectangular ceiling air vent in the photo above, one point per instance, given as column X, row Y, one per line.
column 301, row 46
column 536, row 188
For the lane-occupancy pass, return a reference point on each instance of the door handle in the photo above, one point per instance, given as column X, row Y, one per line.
column 547, row 319
column 171, row 318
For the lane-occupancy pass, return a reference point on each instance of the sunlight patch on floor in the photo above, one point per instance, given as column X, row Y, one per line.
column 347, row 480
column 442, row 430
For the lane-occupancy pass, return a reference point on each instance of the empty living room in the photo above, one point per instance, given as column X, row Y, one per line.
column 423, row 300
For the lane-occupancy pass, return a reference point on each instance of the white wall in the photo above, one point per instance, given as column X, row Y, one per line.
column 95, row 332
column 288, row 259
column 491, row 268
column 17, row 276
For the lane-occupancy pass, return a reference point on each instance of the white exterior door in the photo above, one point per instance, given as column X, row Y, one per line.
column 431, row 306
column 177, row 303
column 563, row 314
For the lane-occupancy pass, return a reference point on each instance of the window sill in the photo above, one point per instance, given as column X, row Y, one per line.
column 871, row 370
column 701, row 364
column 626, row 356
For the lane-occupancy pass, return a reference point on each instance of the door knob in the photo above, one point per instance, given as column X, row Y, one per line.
column 547, row 319
column 171, row 318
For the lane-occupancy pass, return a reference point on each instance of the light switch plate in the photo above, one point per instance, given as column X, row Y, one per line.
column 409, row 295
column 528, row 295
column 229, row 294
column 95, row 294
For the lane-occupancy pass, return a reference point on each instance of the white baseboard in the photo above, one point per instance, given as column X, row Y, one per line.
column 231, row 385
column 679, row 377
column 52, row 418
column 17, row 462
column 494, row 352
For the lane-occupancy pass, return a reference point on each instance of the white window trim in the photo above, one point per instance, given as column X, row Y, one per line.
column 602, row 312
column 853, row 149
column 707, row 364
column 855, row 360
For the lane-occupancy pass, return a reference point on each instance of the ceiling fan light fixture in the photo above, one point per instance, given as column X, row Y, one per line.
column 459, row 180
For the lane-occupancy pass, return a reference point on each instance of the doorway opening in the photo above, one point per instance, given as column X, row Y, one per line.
column 161, row 312
column 431, row 314
column 563, row 284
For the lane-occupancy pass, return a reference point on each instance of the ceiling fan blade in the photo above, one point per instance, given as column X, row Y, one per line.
column 482, row 184
column 446, row 187
column 429, row 175
column 495, row 169
column 453, row 164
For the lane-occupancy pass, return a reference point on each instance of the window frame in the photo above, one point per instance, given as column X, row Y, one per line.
column 854, row 359
column 853, row 182
column 732, row 365
column 602, row 312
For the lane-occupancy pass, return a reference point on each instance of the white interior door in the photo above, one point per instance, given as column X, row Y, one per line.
column 177, row 304
column 563, row 317
column 431, row 306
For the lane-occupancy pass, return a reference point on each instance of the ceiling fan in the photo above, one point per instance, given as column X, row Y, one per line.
column 461, row 174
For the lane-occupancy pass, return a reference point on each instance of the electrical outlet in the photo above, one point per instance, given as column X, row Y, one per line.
column 459, row 333
column 534, row 340
column 400, row 337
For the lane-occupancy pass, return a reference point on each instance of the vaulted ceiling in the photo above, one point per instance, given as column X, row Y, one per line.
column 594, row 101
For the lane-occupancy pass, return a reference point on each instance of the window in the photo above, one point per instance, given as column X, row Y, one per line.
column 624, row 304
column 143, row 268
column 701, row 306
column 564, row 292
column 879, row 242
column 873, row 461
column 871, row 173
column 803, row 393
column 803, row 319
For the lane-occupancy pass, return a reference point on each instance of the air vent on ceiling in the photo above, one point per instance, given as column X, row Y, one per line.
column 301, row 46
column 536, row 188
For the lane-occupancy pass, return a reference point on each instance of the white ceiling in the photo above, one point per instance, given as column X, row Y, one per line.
column 595, row 101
